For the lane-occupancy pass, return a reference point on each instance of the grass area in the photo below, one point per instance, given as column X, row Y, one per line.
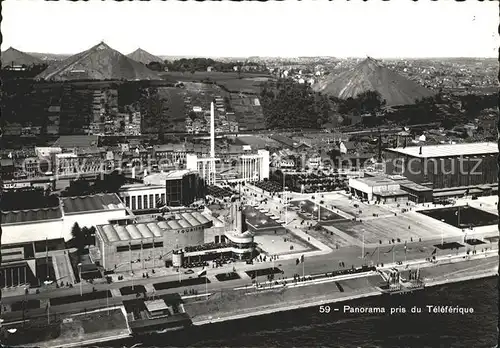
column 263, row 272
column 449, row 245
column 129, row 290
column 311, row 208
column 89, row 296
column 30, row 304
column 328, row 237
column 97, row 325
column 227, row 276
column 474, row 241
column 259, row 220
column 35, row 330
column 101, row 321
column 467, row 216
column 184, row 282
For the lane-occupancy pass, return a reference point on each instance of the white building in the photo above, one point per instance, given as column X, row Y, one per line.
column 203, row 165
column 377, row 188
column 254, row 167
column 57, row 222
column 147, row 194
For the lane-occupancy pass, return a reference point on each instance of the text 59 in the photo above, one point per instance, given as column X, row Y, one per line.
column 324, row 309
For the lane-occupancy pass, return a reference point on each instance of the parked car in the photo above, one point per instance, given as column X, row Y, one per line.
column 189, row 271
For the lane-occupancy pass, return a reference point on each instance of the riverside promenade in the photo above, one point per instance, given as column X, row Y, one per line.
column 248, row 302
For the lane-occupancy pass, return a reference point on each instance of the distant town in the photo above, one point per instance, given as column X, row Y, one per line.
column 143, row 195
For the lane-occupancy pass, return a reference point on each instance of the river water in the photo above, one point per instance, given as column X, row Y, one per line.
column 310, row 328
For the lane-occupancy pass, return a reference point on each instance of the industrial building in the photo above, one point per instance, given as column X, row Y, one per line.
column 120, row 244
column 389, row 189
column 181, row 187
column 182, row 236
column 25, row 226
column 445, row 166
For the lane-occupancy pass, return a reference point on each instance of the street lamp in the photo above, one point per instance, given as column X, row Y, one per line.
column 272, row 256
column 80, row 276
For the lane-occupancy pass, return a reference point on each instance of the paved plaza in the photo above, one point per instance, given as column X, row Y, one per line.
column 404, row 226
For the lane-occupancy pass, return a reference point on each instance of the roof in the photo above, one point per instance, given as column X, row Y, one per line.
column 413, row 186
column 376, row 181
column 139, row 187
column 82, row 204
column 31, row 215
column 285, row 140
column 251, row 140
column 155, row 305
column 5, row 162
column 467, row 149
column 349, row 145
column 160, row 178
column 70, row 141
column 169, row 147
column 119, row 233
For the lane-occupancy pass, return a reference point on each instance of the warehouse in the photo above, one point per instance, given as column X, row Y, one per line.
column 377, row 188
column 445, row 166
column 122, row 245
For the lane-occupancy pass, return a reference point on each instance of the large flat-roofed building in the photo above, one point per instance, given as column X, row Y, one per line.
column 182, row 187
column 31, row 225
column 119, row 244
column 378, row 188
column 445, row 166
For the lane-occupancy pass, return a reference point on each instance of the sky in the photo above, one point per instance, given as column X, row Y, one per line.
column 394, row 29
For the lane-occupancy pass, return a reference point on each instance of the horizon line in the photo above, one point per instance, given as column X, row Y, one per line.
column 280, row 57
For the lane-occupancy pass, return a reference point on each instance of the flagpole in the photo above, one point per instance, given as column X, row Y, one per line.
column 393, row 256
column 142, row 255
column 363, row 247
column 154, row 254
column 206, row 283
column 378, row 258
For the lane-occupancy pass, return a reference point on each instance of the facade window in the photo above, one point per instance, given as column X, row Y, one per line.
column 133, row 203
column 163, row 198
column 145, row 200
column 127, row 201
column 139, row 202
column 151, row 201
column 157, row 197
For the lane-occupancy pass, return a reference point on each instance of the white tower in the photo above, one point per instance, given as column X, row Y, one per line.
column 211, row 163
column 212, row 131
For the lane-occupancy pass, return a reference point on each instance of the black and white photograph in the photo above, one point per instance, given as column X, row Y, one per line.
column 249, row 174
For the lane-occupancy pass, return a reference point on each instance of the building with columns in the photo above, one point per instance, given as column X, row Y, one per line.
column 142, row 196
column 205, row 166
column 254, row 167
column 251, row 167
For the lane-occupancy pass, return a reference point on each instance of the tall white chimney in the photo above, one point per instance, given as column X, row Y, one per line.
column 212, row 131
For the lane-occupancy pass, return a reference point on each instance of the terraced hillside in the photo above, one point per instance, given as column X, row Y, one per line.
column 248, row 111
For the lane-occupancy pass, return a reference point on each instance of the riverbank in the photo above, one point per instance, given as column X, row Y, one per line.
column 249, row 304
column 230, row 304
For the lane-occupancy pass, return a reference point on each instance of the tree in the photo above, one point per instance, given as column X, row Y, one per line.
column 370, row 102
column 78, row 238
